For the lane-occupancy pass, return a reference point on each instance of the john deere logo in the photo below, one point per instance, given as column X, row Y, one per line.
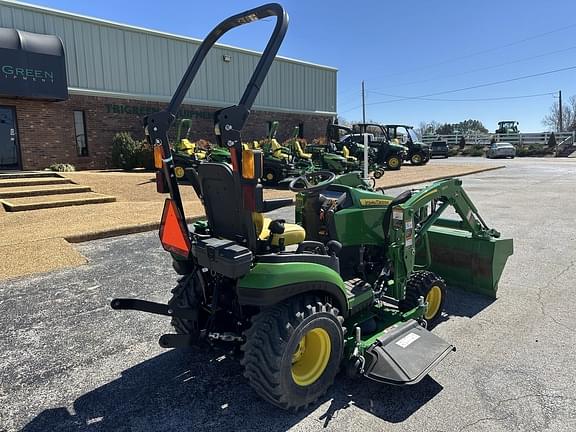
column 12, row 72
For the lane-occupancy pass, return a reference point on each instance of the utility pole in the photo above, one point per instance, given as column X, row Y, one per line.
column 363, row 109
column 560, row 110
column 366, row 143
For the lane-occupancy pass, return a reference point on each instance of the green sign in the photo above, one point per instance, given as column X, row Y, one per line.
column 142, row 110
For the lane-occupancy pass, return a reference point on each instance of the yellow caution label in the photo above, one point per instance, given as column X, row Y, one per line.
column 374, row 201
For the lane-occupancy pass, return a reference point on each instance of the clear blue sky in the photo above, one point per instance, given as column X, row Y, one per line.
column 408, row 49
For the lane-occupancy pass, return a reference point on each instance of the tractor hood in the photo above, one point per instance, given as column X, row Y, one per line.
column 398, row 148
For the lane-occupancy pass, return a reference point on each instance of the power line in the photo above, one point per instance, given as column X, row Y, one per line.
column 471, row 99
column 483, row 68
column 400, row 98
column 496, row 82
column 477, row 53
column 486, row 51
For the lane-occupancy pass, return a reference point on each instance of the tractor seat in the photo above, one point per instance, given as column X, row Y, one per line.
column 293, row 234
column 346, row 154
column 190, row 149
column 301, row 154
column 277, row 150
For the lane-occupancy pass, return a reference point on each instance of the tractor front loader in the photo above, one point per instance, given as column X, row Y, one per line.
column 354, row 284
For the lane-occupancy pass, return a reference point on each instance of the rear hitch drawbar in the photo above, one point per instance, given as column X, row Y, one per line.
column 153, row 307
column 167, row 340
column 174, row 340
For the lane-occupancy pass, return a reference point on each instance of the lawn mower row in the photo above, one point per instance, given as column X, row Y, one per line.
column 356, row 282
column 342, row 153
column 282, row 163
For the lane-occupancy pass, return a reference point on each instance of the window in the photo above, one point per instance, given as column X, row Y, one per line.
column 80, row 131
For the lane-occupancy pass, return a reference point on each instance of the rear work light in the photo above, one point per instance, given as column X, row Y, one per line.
column 248, row 164
column 158, row 157
column 173, row 230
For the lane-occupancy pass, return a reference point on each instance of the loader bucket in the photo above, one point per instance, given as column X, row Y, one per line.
column 472, row 264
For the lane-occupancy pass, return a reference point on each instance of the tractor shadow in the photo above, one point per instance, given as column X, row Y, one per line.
column 465, row 304
column 194, row 390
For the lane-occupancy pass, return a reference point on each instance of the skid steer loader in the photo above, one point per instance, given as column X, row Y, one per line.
column 354, row 284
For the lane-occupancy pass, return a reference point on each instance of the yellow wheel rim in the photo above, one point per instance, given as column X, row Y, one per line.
column 269, row 176
column 393, row 163
column 434, row 299
column 416, row 159
column 179, row 171
column 311, row 356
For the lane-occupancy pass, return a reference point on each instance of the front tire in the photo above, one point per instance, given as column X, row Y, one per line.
column 293, row 351
column 378, row 173
column 430, row 286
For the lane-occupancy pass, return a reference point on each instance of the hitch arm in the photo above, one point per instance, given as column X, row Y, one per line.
column 154, row 308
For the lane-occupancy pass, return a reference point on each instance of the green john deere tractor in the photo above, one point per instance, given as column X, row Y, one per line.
column 354, row 283
column 339, row 139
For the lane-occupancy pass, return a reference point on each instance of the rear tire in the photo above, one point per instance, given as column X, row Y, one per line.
column 184, row 295
column 393, row 162
column 293, row 351
column 430, row 286
column 418, row 159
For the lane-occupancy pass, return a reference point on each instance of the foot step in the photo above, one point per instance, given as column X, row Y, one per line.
column 53, row 201
column 29, row 191
column 23, row 181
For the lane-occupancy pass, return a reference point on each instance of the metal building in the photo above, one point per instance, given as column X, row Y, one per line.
column 112, row 82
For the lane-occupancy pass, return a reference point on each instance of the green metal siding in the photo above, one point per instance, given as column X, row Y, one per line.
column 107, row 57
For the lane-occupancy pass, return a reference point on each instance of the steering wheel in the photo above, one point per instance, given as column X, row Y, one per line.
column 312, row 182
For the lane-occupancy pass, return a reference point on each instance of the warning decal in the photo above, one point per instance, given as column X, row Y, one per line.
column 407, row 340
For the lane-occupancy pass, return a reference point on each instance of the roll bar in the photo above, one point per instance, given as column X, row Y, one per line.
column 228, row 122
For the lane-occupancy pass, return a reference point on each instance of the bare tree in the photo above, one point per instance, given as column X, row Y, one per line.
column 552, row 120
column 427, row 127
column 344, row 122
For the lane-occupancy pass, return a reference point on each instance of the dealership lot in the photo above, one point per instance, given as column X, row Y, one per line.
column 68, row 362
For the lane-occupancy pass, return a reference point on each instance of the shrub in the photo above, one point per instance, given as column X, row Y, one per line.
column 129, row 153
column 124, row 151
column 62, row 167
column 452, row 152
column 474, row 151
column 534, row 150
column 146, row 155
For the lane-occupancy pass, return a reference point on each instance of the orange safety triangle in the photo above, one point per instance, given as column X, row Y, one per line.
column 172, row 235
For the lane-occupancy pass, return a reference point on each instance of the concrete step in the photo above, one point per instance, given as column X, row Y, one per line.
column 27, row 174
column 53, row 201
column 14, row 182
column 28, row 191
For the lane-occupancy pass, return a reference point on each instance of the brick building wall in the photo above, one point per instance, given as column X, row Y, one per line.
column 46, row 129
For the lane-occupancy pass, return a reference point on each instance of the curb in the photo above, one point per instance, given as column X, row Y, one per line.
column 409, row 183
column 132, row 229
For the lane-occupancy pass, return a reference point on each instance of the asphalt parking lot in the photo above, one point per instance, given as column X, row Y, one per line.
column 70, row 363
